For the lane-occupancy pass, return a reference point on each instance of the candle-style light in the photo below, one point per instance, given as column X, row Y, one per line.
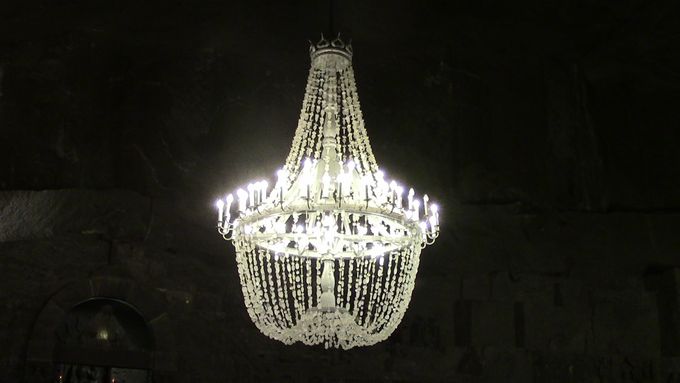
column 399, row 191
column 251, row 195
column 326, row 180
column 435, row 215
column 242, row 200
column 220, row 211
column 340, row 182
column 263, row 190
column 426, row 211
column 281, row 182
column 366, row 183
column 393, row 192
column 227, row 209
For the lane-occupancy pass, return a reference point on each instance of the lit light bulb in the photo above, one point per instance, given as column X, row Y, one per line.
column 380, row 175
column 251, row 194
column 280, row 227
column 230, row 200
column 340, row 180
column 242, row 199
column 220, row 210
column 103, row 334
column 399, row 191
column 329, row 235
column 366, row 182
column 423, row 228
column 392, row 196
column 281, row 180
column 304, row 243
column 280, row 176
column 346, row 183
column 384, row 188
column 435, row 214
column 264, row 184
column 306, row 180
column 326, row 181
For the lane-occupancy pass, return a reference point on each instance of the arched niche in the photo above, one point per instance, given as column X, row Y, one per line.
column 103, row 340
column 102, row 321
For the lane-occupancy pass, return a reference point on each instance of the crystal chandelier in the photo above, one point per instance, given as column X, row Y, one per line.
column 330, row 254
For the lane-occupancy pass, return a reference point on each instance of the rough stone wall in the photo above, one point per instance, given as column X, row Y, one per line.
column 488, row 319
column 547, row 133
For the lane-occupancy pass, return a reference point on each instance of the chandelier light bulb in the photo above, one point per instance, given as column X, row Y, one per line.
column 425, row 209
column 330, row 256
column 380, row 178
column 433, row 222
column 326, row 180
column 263, row 186
column 400, row 192
column 220, row 210
column 242, row 199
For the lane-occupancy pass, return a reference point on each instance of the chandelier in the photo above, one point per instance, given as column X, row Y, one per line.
column 329, row 254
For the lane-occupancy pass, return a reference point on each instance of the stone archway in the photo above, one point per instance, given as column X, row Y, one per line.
column 150, row 305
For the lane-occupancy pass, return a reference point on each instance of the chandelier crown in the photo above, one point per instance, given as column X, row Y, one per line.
column 329, row 254
column 336, row 46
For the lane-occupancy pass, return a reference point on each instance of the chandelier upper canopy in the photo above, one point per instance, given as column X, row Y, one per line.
column 335, row 46
column 329, row 254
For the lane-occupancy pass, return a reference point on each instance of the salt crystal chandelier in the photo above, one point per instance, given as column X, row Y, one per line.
column 330, row 254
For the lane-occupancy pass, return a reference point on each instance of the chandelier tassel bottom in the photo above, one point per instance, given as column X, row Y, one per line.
column 330, row 254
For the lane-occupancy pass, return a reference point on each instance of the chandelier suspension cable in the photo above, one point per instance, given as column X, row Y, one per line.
column 328, row 255
column 331, row 14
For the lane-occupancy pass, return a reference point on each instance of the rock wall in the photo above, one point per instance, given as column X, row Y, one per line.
column 534, row 314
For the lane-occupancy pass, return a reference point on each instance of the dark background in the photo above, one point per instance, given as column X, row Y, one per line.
column 548, row 132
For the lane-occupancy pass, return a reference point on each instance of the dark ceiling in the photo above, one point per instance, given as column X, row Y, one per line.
column 199, row 95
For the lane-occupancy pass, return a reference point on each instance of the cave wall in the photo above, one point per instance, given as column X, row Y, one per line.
column 547, row 133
